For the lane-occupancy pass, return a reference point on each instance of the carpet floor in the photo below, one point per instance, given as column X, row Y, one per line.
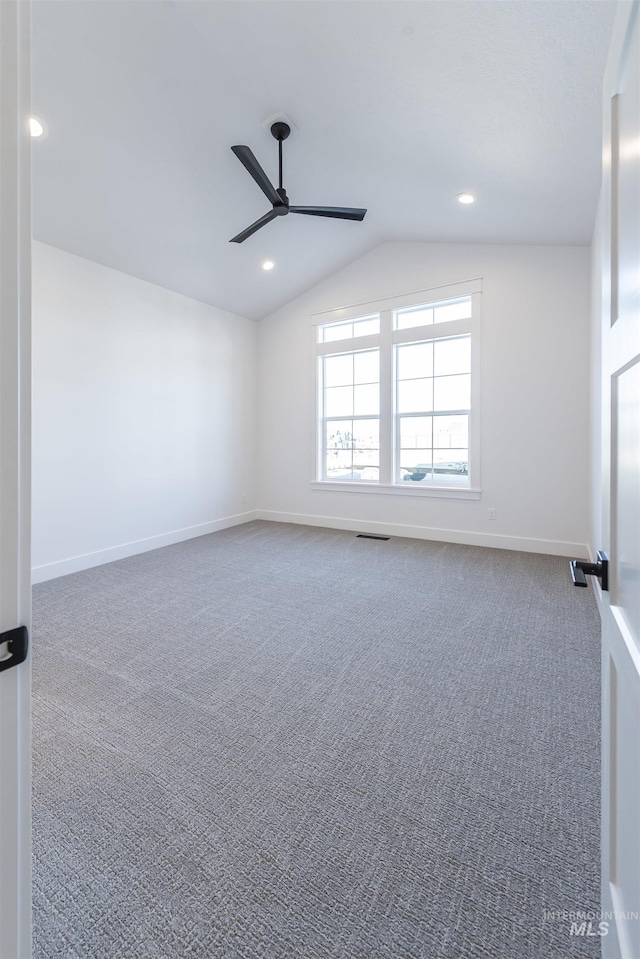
column 279, row 742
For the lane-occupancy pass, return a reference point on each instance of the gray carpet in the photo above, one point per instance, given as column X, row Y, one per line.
column 278, row 742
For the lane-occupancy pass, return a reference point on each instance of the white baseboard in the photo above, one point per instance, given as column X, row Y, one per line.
column 39, row 574
column 76, row 564
column 464, row 537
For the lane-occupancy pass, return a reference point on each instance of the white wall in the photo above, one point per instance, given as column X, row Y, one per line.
column 143, row 415
column 145, row 405
column 535, row 398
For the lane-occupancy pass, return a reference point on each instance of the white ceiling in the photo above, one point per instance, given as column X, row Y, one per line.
column 398, row 106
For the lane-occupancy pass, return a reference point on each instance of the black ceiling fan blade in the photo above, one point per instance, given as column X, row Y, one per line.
column 339, row 212
column 241, row 237
column 252, row 166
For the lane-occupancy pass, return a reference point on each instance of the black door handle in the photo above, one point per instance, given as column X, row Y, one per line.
column 580, row 570
column 17, row 641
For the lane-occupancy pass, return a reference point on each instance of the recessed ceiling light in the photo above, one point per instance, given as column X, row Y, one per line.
column 36, row 127
column 466, row 198
column 268, row 265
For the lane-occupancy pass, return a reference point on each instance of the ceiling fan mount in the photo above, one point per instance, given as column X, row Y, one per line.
column 280, row 130
column 278, row 197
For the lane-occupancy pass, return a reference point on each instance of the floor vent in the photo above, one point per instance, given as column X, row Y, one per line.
column 371, row 536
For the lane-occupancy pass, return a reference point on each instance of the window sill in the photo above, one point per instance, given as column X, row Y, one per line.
column 442, row 492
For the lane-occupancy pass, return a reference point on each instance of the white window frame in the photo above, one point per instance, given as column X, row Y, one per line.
column 386, row 342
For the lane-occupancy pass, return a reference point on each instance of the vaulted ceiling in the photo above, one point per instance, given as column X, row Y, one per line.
column 396, row 106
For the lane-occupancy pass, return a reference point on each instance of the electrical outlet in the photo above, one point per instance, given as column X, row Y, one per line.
column 492, row 513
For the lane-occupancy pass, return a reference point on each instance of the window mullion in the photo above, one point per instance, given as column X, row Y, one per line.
column 348, row 346
column 433, row 331
column 386, row 397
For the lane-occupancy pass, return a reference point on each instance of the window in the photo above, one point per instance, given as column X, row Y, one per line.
column 346, row 331
column 433, row 377
column 351, row 414
column 397, row 393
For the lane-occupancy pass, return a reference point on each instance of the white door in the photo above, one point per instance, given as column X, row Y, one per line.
column 621, row 520
column 15, row 480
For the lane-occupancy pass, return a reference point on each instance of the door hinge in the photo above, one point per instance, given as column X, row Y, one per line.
column 14, row 644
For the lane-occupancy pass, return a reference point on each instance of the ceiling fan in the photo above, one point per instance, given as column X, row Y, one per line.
column 279, row 198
